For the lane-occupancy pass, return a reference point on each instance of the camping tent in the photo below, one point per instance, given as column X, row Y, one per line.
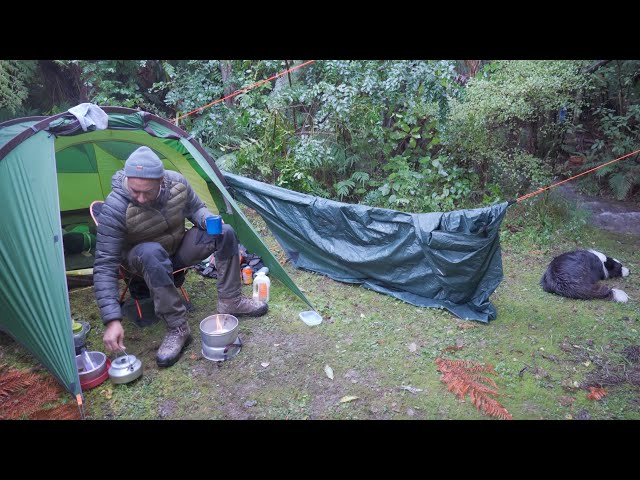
column 54, row 167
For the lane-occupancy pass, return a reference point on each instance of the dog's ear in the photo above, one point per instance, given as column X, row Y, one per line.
column 610, row 263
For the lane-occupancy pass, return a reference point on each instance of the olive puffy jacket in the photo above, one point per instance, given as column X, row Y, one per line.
column 122, row 225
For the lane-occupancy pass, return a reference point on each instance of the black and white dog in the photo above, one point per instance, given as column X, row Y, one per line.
column 576, row 275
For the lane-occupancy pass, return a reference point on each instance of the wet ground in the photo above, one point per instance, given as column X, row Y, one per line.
column 608, row 214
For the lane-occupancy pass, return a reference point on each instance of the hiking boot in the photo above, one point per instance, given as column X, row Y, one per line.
column 242, row 307
column 174, row 341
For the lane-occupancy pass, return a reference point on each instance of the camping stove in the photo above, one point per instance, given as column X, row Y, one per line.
column 220, row 340
column 224, row 353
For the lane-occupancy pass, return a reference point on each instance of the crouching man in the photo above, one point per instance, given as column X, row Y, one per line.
column 142, row 226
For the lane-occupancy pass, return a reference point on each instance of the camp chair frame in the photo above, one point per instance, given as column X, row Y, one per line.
column 126, row 275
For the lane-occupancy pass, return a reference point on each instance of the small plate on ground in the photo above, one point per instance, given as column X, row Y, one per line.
column 311, row 317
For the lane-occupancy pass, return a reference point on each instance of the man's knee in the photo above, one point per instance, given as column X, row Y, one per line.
column 152, row 261
column 149, row 253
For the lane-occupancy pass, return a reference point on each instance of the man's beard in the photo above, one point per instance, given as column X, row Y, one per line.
column 150, row 204
column 144, row 205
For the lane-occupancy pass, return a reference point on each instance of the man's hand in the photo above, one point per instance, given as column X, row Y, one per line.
column 114, row 336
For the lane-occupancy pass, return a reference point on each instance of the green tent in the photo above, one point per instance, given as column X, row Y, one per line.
column 51, row 169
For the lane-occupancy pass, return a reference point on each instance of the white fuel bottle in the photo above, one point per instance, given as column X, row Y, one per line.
column 261, row 286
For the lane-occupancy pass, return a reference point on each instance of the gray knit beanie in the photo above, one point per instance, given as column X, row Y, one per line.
column 144, row 163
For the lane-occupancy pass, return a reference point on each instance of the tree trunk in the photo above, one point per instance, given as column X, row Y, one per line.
column 533, row 139
column 621, row 103
column 595, row 66
column 226, row 70
column 293, row 108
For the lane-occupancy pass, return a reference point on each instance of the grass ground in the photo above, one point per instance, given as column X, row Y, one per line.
column 547, row 350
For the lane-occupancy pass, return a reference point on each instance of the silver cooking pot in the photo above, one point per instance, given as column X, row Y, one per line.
column 125, row 369
column 90, row 369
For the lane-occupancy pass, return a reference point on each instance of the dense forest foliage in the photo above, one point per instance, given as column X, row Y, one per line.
column 415, row 136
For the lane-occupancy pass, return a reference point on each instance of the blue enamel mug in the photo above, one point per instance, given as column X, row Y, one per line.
column 214, row 225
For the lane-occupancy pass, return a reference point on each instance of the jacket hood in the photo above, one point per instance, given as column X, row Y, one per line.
column 117, row 184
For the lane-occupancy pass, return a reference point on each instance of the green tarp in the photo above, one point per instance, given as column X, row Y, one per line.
column 446, row 260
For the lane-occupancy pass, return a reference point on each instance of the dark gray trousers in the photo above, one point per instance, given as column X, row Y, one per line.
column 151, row 261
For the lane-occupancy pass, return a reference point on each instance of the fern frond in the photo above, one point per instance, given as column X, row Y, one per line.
column 361, row 177
column 621, row 184
column 68, row 411
column 596, row 393
column 465, row 377
column 11, row 381
column 446, row 365
column 477, row 377
column 488, row 368
column 30, row 400
column 343, row 188
column 450, row 364
column 40, row 391
column 601, row 172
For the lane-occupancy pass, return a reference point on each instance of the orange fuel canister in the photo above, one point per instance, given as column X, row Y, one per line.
column 247, row 275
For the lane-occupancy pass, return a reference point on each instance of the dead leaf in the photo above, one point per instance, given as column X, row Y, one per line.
column 453, row 348
column 467, row 327
column 265, row 364
column 348, row 398
column 566, row 401
column 412, row 347
column 193, row 356
column 329, row 371
column 108, row 393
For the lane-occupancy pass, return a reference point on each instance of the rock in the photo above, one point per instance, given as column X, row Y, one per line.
column 583, row 415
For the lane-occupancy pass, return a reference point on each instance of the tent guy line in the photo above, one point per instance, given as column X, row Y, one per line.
column 246, row 89
column 540, row 190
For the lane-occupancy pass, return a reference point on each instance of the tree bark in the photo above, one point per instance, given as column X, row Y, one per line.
column 293, row 108
column 226, row 70
column 592, row 68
